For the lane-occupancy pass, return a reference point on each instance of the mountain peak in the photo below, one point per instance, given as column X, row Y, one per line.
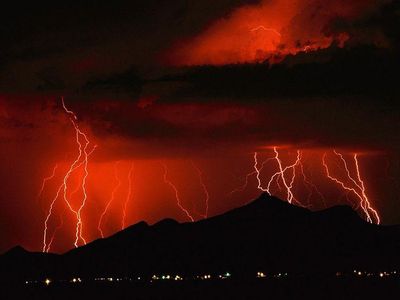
column 137, row 226
column 340, row 213
column 268, row 202
column 17, row 250
column 267, row 207
column 168, row 222
column 271, row 199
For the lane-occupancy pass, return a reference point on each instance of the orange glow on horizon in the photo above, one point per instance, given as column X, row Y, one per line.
column 297, row 177
column 294, row 175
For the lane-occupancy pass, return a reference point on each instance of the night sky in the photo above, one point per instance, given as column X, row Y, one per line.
column 178, row 96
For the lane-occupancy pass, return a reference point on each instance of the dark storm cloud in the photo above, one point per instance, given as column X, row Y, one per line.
column 364, row 70
column 336, row 97
column 364, row 67
column 85, row 39
column 334, row 72
column 103, row 59
column 379, row 27
column 127, row 82
column 61, row 45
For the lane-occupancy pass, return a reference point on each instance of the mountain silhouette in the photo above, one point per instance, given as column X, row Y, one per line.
column 267, row 234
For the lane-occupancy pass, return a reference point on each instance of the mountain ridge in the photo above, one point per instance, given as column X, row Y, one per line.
column 265, row 234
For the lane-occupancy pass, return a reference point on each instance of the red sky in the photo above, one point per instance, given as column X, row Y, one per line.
column 37, row 135
column 196, row 97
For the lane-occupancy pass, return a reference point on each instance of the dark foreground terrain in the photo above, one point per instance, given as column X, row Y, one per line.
column 268, row 248
column 299, row 288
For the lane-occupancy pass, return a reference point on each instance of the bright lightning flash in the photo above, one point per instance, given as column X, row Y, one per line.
column 128, row 196
column 173, row 187
column 112, row 198
column 205, row 190
column 357, row 186
column 80, row 160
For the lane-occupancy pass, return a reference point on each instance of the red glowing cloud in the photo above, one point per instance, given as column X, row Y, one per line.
column 183, row 161
column 270, row 30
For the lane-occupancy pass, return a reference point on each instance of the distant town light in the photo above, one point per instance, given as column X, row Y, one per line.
column 47, row 281
column 261, row 275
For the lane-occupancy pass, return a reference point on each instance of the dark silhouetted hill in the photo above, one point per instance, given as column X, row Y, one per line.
column 267, row 234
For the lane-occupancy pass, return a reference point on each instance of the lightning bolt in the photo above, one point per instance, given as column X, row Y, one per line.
column 307, row 185
column 358, row 188
column 117, row 186
column 70, row 112
column 285, row 175
column 48, row 218
column 261, row 27
column 287, row 182
column 245, row 184
column 365, row 203
column 311, row 186
column 367, row 206
column 46, row 247
column 54, row 233
column 76, row 190
column 307, row 49
column 79, row 224
column 82, row 152
column 46, row 179
column 205, row 190
column 128, row 196
column 257, row 172
column 79, row 185
column 173, row 187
